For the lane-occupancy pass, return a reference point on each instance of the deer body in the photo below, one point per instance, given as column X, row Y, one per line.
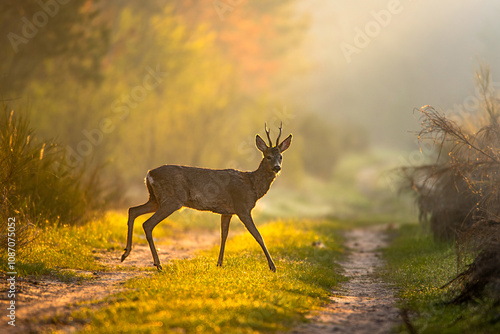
column 227, row 192
column 223, row 191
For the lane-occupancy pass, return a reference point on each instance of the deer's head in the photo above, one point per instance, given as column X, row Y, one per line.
column 272, row 155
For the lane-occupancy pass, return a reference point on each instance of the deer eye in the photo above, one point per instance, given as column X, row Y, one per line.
column 268, row 157
column 281, row 158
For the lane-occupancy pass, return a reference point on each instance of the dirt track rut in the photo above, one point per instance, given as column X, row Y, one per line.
column 364, row 304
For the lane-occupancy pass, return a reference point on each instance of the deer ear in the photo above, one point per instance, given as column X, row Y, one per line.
column 261, row 144
column 285, row 144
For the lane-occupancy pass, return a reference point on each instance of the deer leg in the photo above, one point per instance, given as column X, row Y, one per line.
column 163, row 212
column 133, row 213
column 247, row 220
column 224, row 229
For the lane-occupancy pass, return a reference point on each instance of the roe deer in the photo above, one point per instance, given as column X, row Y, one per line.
column 227, row 192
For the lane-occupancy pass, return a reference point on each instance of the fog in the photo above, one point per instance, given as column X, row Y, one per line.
column 424, row 52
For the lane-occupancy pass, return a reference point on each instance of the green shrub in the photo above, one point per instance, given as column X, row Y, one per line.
column 36, row 185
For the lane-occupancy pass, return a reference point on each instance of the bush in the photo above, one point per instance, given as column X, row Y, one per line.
column 459, row 194
column 36, row 186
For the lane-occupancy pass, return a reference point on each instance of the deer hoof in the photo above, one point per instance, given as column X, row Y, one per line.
column 124, row 256
column 272, row 267
column 158, row 266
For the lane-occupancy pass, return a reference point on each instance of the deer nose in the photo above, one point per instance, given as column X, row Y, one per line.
column 276, row 168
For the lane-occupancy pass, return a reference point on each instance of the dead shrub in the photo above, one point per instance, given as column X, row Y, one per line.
column 459, row 194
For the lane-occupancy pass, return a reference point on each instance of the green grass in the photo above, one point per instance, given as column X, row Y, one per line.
column 59, row 247
column 243, row 296
column 419, row 266
column 68, row 247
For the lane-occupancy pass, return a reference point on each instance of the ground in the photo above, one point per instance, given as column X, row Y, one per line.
column 364, row 304
column 47, row 303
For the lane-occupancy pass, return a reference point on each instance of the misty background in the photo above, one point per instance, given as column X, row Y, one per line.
column 426, row 54
column 124, row 87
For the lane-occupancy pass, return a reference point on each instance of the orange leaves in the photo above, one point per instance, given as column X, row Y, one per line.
column 245, row 36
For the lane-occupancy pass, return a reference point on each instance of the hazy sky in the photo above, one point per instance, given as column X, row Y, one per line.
column 373, row 61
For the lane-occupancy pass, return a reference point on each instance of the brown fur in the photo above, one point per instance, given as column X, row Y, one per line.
column 227, row 192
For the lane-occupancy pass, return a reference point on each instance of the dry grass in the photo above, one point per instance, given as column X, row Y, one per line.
column 459, row 194
column 36, row 186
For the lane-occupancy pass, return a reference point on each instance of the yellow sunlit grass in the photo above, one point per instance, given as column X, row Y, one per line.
column 243, row 296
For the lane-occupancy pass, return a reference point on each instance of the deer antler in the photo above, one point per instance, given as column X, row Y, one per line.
column 279, row 135
column 268, row 136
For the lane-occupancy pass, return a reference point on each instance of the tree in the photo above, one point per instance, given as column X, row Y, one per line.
column 34, row 32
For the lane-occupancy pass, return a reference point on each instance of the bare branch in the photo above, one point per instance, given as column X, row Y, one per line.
column 439, row 127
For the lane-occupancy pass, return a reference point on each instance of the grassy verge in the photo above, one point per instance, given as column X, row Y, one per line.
column 69, row 247
column 58, row 247
column 242, row 297
column 419, row 266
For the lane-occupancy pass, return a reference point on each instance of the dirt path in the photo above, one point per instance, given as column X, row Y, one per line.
column 364, row 304
column 39, row 302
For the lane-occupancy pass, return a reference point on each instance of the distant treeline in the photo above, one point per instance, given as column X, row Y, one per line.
column 131, row 86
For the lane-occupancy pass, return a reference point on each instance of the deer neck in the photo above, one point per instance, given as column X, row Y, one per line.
column 262, row 179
